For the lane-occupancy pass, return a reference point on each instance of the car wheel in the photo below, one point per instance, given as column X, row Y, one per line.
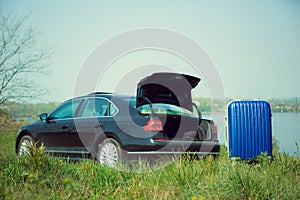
column 109, row 153
column 24, row 145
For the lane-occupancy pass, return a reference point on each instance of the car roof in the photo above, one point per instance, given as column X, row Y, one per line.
column 109, row 95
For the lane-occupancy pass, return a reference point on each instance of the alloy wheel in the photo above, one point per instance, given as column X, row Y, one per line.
column 109, row 153
column 25, row 145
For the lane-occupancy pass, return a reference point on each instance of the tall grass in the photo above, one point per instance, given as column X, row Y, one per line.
column 41, row 177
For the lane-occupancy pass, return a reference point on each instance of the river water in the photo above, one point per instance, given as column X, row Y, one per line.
column 285, row 128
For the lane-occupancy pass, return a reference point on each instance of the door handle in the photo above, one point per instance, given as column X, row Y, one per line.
column 98, row 126
column 64, row 127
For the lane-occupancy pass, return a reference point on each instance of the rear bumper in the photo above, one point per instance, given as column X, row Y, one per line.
column 173, row 147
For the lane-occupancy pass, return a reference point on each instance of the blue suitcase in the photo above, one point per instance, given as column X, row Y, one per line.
column 249, row 129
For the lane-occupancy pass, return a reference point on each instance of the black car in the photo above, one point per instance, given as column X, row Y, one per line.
column 160, row 120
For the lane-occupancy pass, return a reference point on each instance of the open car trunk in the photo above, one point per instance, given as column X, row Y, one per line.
column 174, row 89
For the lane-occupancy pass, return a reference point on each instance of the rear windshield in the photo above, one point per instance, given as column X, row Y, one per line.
column 167, row 109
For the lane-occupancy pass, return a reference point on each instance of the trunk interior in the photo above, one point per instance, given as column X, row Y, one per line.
column 179, row 127
column 187, row 128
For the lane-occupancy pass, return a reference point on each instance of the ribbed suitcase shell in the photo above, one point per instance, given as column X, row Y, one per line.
column 249, row 129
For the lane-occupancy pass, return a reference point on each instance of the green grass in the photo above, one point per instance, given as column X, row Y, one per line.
column 40, row 177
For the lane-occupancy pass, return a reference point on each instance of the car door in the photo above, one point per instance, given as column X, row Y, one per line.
column 54, row 132
column 89, row 123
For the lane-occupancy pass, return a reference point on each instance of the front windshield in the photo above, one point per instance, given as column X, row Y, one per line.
column 168, row 109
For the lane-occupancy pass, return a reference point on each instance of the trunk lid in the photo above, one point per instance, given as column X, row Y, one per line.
column 169, row 88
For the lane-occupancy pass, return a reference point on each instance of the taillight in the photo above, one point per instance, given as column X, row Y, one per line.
column 215, row 132
column 153, row 125
column 159, row 139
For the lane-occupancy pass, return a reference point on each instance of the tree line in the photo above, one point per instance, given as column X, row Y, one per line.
column 27, row 111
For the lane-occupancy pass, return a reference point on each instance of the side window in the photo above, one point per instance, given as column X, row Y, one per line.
column 112, row 110
column 66, row 110
column 95, row 107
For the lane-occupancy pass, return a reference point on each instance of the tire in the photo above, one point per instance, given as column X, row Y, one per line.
column 24, row 145
column 109, row 153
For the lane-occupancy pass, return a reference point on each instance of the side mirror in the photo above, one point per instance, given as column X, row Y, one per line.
column 43, row 116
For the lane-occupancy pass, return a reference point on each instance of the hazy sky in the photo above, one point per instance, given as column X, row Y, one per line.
column 255, row 45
